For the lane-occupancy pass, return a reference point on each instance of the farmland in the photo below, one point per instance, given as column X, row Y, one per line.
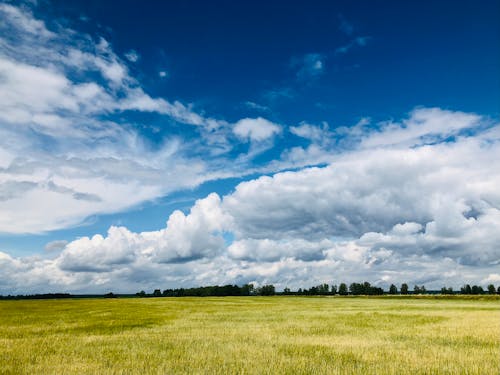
column 251, row 335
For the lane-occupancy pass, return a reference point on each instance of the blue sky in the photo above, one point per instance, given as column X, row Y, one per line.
column 301, row 143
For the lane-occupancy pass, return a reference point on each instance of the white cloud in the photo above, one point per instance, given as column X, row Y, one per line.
column 492, row 278
column 425, row 215
column 258, row 129
column 162, row 74
column 132, row 56
column 311, row 132
column 425, row 125
column 186, row 237
column 57, row 128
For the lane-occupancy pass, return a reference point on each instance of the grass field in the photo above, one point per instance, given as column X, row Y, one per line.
column 251, row 335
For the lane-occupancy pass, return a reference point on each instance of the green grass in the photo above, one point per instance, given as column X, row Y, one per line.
column 251, row 335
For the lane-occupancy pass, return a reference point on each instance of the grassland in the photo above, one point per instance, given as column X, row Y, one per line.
column 251, row 335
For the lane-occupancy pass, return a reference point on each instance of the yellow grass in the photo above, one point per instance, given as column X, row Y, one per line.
column 251, row 335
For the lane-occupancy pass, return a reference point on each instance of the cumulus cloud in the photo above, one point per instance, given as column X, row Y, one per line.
column 186, row 237
column 256, row 129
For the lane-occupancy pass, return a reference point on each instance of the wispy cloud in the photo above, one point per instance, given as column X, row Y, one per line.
column 132, row 56
column 345, row 26
column 309, row 66
column 359, row 41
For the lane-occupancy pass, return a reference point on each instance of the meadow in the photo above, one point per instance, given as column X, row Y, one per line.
column 251, row 335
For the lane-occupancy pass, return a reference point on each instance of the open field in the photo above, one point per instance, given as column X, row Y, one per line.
column 251, row 335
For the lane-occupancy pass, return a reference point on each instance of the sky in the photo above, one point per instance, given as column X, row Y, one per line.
column 178, row 144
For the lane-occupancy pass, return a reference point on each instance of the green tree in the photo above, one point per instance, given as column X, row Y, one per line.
column 334, row 289
column 267, row 290
column 466, row 289
column 393, row 289
column 477, row 289
column 247, row 290
column 419, row 289
column 491, row 289
column 343, row 289
column 157, row 293
column 404, row 288
column 445, row 290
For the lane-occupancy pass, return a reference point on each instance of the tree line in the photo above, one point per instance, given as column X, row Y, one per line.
column 342, row 289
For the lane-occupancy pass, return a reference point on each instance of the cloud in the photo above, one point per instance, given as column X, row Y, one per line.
column 185, row 238
column 311, row 132
column 162, row 74
column 258, row 129
column 256, row 106
column 492, row 278
column 345, row 26
column 132, row 56
column 77, row 135
column 55, row 245
column 359, row 41
column 310, row 66
column 425, row 125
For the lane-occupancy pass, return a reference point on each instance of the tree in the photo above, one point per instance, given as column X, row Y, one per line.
column 343, row 289
column 477, row 289
column 491, row 289
column 334, row 289
column 466, row 289
column 157, row 293
column 404, row 288
column 419, row 289
column 247, row 290
column 498, row 290
column 445, row 290
column 267, row 290
column 393, row 289
column 323, row 289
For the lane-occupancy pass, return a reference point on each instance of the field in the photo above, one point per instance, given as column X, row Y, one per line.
column 251, row 335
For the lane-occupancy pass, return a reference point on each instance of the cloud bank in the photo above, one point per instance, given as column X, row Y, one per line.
column 392, row 211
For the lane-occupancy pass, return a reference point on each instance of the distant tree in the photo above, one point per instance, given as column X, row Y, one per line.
column 267, row 290
column 142, row 293
column 286, row 291
column 157, row 293
column 445, row 290
column 393, row 289
column 343, row 289
column 466, row 289
column 110, row 295
column 323, row 289
column 498, row 290
column 491, row 289
column 419, row 289
column 477, row 289
column 247, row 290
column 404, row 288
column 333, row 289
